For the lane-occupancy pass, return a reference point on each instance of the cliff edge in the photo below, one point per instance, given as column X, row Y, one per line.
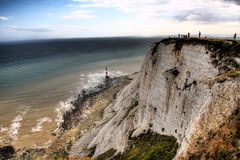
column 187, row 88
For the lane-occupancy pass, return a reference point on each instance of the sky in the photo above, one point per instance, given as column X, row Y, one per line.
column 43, row 19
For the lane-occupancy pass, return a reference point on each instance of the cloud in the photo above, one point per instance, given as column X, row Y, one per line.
column 234, row 1
column 135, row 17
column 206, row 16
column 123, row 5
column 80, row 14
column 33, row 29
column 26, row 29
column 3, row 18
column 189, row 10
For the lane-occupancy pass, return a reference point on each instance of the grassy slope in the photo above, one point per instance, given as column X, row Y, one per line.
column 146, row 146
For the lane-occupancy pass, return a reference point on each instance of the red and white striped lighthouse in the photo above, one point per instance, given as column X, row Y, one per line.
column 106, row 73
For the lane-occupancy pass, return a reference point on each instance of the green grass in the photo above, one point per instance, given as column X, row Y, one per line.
column 60, row 155
column 106, row 155
column 151, row 146
column 148, row 146
column 224, row 155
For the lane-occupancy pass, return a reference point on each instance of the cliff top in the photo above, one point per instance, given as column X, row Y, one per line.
column 203, row 41
column 223, row 47
column 224, row 54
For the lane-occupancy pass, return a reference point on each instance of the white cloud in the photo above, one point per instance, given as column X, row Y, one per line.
column 189, row 10
column 80, row 14
column 141, row 17
column 3, row 18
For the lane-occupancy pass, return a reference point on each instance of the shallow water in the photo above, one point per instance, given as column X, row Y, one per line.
column 35, row 77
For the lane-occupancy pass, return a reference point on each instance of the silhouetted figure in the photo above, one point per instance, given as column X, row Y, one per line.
column 188, row 35
column 179, row 36
column 199, row 34
column 235, row 36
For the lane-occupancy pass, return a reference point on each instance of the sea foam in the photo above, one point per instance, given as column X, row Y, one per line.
column 94, row 79
column 16, row 123
column 3, row 129
column 89, row 82
column 40, row 122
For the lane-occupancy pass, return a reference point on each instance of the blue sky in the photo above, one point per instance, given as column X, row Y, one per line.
column 38, row 19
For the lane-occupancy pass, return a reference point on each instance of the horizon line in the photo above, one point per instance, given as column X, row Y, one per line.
column 96, row 37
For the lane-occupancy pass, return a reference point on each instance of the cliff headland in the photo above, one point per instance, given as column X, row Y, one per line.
column 184, row 103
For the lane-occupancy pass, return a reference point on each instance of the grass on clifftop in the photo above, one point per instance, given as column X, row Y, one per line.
column 147, row 146
column 222, row 46
column 193, row 40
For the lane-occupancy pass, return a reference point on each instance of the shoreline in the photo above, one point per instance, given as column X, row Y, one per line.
column 85, row 99
column 89, row 101
column 54, row 93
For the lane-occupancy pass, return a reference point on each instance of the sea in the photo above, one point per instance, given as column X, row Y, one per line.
column 38, row 76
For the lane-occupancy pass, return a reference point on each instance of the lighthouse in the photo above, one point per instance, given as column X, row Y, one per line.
column 106, row 73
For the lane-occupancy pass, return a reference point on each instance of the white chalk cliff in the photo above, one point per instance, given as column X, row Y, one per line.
column 180, row 90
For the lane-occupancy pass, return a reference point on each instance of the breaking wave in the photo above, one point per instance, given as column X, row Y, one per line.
column 16, row 124
column 89, row 83
column 3, row 129
column 93, row 79
column 40, row 121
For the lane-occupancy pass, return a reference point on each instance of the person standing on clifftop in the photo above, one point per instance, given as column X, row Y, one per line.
column 199, row 34
column 188, row 35
column 235, row 36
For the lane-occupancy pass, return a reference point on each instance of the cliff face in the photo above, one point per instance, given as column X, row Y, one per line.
column 187, row 88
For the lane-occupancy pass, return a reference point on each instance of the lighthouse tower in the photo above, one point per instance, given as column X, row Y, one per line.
column 106, row 73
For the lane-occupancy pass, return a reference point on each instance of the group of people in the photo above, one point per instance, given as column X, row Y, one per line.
column 199, row 35
column 183, row 35
column 188, row 35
